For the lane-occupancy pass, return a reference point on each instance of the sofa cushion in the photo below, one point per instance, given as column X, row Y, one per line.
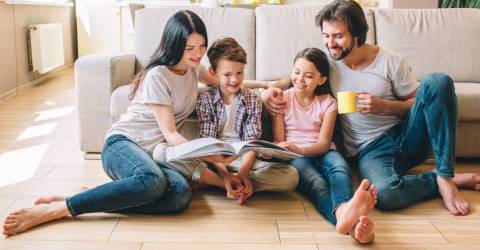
column 119, row 101
column 468, row 95
column 432, row 40
column 234, row 22
column 282, row 31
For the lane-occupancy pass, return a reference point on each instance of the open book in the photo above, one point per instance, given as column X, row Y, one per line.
column 211, row 146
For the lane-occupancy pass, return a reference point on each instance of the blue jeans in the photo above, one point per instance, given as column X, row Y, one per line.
column 430, row 125
column 139, row 184
column 326, row 180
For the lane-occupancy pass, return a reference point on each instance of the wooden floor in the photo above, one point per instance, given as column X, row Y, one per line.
column 39, row 155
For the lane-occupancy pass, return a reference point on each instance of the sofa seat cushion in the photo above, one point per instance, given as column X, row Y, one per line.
column 468, row 95
column 119, row 101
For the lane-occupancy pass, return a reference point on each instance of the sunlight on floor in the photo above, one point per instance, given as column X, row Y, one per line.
column 35, row 131
column 20, row 165
column 54, row 113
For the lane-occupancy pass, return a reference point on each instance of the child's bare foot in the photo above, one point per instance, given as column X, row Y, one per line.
column 49, row 199
column 24, row 219
column 362, row 203
column 363, row 230
column 452, row 200
column 467, row 181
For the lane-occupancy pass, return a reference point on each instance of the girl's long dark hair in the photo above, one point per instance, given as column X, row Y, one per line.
column 172, row 45
column 320, row 60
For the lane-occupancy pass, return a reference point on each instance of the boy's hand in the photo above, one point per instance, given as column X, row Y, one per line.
column 247, row 187
column 233, row 186
column 218, row 159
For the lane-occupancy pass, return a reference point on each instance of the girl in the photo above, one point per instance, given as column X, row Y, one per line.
column 306, row 127
column 161, row 100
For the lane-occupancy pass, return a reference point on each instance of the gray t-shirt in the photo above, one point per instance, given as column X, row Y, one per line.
column 389, row 76
column 159, row 86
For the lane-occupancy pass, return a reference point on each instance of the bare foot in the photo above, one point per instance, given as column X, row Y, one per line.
column 24, row 219
column 467, row 181
column 452, row 200
column 49, row 199
column 362, row 203
column 363, row 231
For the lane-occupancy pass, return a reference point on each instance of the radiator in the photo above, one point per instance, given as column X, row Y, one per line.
column 45, row 44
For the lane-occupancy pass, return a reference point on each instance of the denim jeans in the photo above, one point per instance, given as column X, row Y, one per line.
column 139, row 184
column 326, row 180
column 430, row 125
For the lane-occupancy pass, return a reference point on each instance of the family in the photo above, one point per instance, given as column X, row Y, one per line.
column 399, row 124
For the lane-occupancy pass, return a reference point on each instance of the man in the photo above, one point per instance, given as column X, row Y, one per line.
column 399, row 121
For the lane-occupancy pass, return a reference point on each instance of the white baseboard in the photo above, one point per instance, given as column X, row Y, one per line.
column 35, row 82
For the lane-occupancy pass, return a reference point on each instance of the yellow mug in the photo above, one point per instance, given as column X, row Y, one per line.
column 347, row 102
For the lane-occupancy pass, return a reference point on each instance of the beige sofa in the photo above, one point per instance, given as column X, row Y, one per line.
column 445, row 40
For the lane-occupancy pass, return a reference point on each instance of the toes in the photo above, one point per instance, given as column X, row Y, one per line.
column 453, row 210
column 464, row 208
column 364, row 185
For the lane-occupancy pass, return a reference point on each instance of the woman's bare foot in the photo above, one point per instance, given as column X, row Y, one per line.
column 24, row 219
column 363, row 230
column 362, row 203
column 49, row 199
column 452, row 200
column 467, row 181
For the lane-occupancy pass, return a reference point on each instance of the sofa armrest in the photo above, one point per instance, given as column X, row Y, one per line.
column 96, row 77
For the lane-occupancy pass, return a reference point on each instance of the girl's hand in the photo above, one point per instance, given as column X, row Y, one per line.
column 292, row 147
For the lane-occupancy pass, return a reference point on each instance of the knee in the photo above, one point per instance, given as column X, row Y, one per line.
column 153, row 185
column 290, row 181
column 301, row 164
column 439, row 84
column 387, row 197
column 184, row 197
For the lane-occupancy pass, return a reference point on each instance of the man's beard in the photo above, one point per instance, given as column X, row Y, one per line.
column 344, row 52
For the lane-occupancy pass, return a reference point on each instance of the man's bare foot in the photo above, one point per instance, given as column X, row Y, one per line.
column 362, row 203
column 452, row 200
column 24, row 219
column 467, row 181
column 49, row 199
column 363, row 230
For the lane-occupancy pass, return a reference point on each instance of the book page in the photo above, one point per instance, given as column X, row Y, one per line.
column 199, row 147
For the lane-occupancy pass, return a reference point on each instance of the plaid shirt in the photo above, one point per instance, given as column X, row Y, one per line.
column 212, row 117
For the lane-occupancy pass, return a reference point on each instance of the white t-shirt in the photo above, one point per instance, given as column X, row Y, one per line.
column 228, row 133
column 389, row 76
column 159, row 86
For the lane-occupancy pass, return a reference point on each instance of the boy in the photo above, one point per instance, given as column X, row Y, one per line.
column 231, row 113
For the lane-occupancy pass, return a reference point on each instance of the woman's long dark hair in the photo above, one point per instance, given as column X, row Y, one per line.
column 320, row 60
column 172, row 45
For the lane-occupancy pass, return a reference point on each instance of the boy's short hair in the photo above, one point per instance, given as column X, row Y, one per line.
column 226, row 49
